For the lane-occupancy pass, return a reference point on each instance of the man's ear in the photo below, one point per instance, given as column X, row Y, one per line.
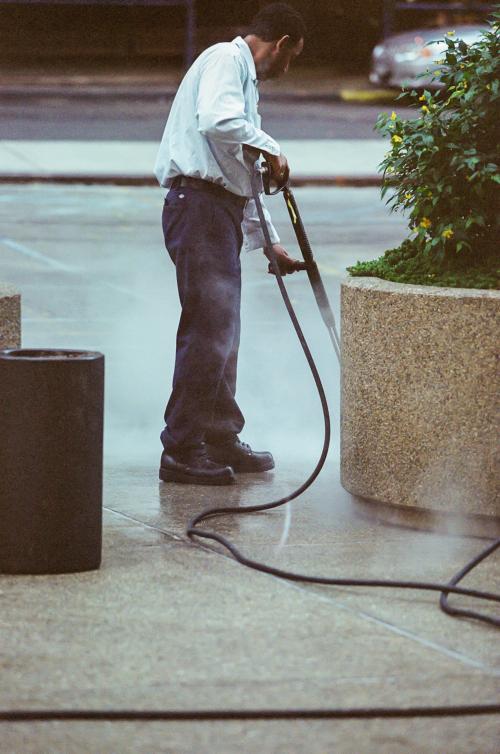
column 284, row 42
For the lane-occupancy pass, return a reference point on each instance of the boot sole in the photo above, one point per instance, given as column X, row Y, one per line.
column 168, row 475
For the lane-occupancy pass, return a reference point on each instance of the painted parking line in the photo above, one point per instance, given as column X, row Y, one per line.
column 38, row 256
column 369, row 95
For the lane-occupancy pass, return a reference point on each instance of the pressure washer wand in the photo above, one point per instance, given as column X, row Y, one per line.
column 263, row 173
column 312, row 269
column 194, row 532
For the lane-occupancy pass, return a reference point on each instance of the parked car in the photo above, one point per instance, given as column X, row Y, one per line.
column 399, row 59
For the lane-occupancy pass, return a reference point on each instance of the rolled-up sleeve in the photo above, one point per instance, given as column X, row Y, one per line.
column 222, row 117
column 220, row 106
column 253, row 237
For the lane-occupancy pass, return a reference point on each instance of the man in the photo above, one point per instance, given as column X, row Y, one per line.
column 211, row 141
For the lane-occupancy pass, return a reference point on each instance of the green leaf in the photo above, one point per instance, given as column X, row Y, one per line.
column 447, row 160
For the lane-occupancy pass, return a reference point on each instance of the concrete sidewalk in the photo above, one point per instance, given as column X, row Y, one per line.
column 314, row 162
column 167, row 624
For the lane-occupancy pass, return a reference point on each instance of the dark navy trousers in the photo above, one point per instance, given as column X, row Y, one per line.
column 203, row 237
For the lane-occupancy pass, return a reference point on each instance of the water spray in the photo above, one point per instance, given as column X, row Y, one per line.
column 262, row 180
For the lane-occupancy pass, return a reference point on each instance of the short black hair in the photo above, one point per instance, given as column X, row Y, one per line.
column 278, row 20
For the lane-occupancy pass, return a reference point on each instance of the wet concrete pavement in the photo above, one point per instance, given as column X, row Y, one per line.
column 168, row 624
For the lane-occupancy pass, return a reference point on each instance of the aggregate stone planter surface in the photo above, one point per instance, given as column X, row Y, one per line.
column 10, row 317
column 419, row 413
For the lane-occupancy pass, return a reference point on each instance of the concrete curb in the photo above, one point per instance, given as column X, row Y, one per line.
column 146, row 180
column 348, row 96
column 86, row 92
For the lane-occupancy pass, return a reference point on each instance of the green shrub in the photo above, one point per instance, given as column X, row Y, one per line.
column 442, row 170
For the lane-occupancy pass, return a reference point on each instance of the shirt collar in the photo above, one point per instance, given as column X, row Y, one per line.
column 247, row 54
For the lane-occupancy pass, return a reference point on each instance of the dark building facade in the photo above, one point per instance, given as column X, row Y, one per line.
column 340, row 31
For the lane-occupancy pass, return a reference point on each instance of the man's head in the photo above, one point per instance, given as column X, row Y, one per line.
column 275, row 37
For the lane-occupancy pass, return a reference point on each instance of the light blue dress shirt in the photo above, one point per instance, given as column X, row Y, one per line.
column 212, row 123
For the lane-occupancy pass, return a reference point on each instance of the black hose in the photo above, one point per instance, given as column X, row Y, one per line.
column 192, row 531
column 363, row 713
column 443, row 601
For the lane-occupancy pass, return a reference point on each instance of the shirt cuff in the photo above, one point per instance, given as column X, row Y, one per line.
column 255, row 239
column 272, row 147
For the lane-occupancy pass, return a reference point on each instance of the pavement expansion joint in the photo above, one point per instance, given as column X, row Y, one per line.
column 390, row 626
column 169, row 534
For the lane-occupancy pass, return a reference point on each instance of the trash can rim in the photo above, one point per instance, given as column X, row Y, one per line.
column 40, row 354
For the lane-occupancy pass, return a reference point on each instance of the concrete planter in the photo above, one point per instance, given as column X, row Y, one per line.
column 419, row 387
column 10, row 317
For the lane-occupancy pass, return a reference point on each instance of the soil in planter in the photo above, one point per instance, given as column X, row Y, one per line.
column 407, row 264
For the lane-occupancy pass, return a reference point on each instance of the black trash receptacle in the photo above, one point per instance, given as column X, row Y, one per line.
column 51, row 437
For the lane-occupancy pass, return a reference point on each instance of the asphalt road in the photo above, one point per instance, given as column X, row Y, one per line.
column 144, row 119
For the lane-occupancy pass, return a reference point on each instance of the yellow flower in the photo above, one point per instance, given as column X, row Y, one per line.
column 422, row 98
column 425, row 109
column 425, row 223
column 450, row 33
column 448, row 233
column 408, row 196
column 393, row 115
column 462, row 66
column 396, row 139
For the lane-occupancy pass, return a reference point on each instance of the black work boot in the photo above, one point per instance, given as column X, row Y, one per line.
column 240, row 456
column 193, row 466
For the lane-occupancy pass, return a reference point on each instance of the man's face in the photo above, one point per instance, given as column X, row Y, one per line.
column 279, row 57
